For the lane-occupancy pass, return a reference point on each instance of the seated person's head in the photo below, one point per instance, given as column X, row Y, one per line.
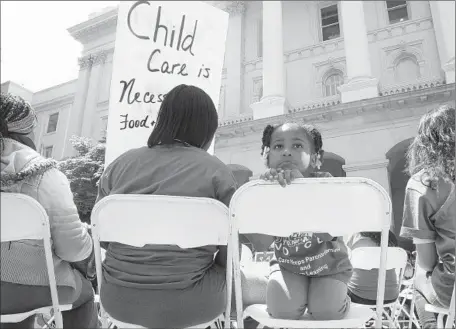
column 17, row 120
column 292, row 146
column 188, row 116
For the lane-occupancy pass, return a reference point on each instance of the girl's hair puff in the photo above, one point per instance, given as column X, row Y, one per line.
column 432, row 150
column 310, row 130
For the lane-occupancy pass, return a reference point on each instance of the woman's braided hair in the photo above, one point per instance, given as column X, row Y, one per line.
column 313, row 133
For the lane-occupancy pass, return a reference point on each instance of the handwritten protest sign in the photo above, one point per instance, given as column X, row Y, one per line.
column 159, row 45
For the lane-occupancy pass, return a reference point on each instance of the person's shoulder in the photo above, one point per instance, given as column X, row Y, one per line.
column 127, row 157
column 208, row 159
column 320, row 174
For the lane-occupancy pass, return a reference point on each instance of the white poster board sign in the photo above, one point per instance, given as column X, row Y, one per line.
column 159, row 45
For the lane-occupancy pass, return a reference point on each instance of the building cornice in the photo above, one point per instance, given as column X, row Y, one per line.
column 54, row 103
column 93, row 28
column 320, row 112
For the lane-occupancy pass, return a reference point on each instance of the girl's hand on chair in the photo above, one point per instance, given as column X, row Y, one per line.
column 271, row 174
column 283, row 177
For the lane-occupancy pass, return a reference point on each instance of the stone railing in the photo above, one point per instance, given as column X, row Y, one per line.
column 397, row 29
column 238, row 119
column 417, row 85
column 300, row 53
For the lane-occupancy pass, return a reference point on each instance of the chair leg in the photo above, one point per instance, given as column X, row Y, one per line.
column 440, row 320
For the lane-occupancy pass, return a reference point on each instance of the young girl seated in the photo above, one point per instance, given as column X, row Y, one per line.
column 430, row 210
column 312, row 275
column 362, row 287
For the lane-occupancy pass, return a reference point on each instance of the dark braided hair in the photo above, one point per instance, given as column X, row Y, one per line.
column 310, row 130
column 188, row 116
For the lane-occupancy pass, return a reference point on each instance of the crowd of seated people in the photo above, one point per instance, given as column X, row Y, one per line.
column 165, row 286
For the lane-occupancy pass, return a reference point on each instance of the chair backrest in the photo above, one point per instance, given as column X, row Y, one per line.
column 137, row 220
column 368, row 258
column 338, row 206
column 23, row 218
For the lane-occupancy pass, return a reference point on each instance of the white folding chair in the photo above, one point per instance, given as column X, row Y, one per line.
column 156, row 219
column 338, row 206
column 368, row 258
column 441, row 312
column 23, row 218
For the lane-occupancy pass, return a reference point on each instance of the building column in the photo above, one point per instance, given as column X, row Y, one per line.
column 93, row 92
column 74, row 125
column 233, row 59
column 273, row 102
column 443, row 19
column 360, row 83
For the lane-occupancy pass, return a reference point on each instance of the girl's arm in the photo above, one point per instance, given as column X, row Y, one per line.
column 426, row 254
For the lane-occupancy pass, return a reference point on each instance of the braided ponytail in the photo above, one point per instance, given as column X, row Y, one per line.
column 266, row 139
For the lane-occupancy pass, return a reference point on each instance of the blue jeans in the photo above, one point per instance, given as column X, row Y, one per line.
column 425, row 294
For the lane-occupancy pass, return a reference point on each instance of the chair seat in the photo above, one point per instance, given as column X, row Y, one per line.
column 18, row 317
column 373, row 306
column 436, row 309
column 120, row 324
column 355, row 318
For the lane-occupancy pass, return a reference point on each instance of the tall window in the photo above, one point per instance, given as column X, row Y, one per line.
column 48, row 151
column 260, row 38
column 397, row 11
column 330, row 28
column 52, row 124
column 104, row 127
column 331, row 83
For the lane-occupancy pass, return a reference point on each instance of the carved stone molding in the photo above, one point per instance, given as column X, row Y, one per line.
column 92, row 29
column 395, row 30
column 235, row 7
column 231, row 7
column 332, row 110
column 100, row 58
column 325, row 47
column 93, row 59
column 85, row 62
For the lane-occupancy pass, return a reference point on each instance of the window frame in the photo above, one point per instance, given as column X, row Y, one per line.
column 387, row 10
column 49, row 121
column 320, row 20
column 45, row 150
column 260, row 37
column 329, row 75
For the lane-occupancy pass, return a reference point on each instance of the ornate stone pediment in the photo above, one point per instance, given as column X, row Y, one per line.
column 232, row 7
column 93, row 28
